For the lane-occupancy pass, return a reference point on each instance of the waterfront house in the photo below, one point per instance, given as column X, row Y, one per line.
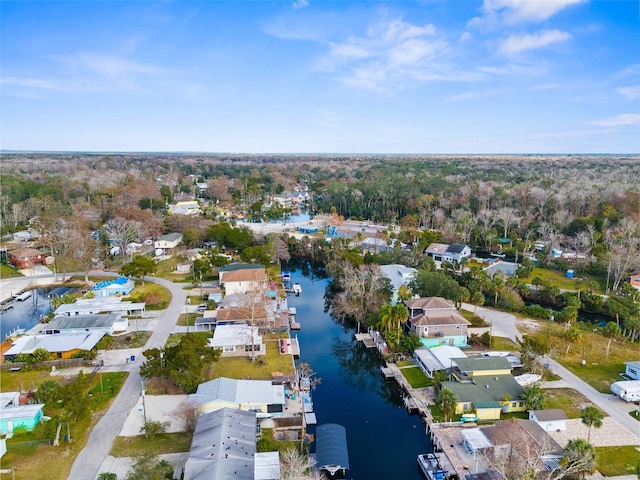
column 117, row 286
column 632, row 370
column 168, row 243
column 242, row 277
column 551, row 420
column 260, row 396
column 467, row 369
column 60, row 346
column 91, row 306
column 224, row 447
column 398, row 275
column 434, row 359
column 15, row 415
column 437, row 322
column 25, row 258
column 238, row 340
column 106, row 323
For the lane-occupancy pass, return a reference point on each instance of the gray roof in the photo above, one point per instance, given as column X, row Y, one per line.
column 21, row 411
column 232, row 267
column 455, row 248
column 170, row 237
column 61, row 342
column 331, row 447
column 82, row 322
column 550, row 414
column 475, row 364
column 239, row 391
column 223, row 446
column 486, row 391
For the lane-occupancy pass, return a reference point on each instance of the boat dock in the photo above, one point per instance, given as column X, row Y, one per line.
column 290, row 346
column 293, row 324
column 373, row 339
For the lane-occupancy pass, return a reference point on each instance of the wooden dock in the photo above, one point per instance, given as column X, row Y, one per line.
column 366, row 339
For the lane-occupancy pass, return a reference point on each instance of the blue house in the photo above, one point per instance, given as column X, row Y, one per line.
column 14, row 416
column 437, row 322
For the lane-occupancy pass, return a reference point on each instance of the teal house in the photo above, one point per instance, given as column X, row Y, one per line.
column 437, row 322
column 14, row 416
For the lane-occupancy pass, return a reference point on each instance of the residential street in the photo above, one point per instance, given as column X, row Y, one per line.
column 504, row 325
column 88, row 462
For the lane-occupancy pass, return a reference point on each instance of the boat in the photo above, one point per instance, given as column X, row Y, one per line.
column 297, row 289
column 5, row 306
column 21, row 297
column 430, row 467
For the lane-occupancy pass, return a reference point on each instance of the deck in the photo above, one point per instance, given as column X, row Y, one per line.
column 290, row 346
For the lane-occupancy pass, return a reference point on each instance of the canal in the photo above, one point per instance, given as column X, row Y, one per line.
column 25, row 314
column 383, row 440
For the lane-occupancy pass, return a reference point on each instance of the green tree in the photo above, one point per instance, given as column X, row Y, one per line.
column 533, row 397
column 138, row 267
column 447, row 402
column 592, row 417
column 107, row 476
column 579, row 457
column 40, row 355
column 256, row 254
column 434, row 284
column 48, row 391
column 148, row 467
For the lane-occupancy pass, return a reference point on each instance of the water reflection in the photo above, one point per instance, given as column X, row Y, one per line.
column 383, row 440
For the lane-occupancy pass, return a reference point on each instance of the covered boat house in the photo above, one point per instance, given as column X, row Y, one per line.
column 331, row 450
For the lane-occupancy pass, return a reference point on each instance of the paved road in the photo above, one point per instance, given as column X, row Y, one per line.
column 88, row 462
column 504, row 325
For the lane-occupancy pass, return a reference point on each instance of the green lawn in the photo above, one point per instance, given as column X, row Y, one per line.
column 504, row 344
column 556, row 278
column 155, row 296
column 565, row 399
column 162, row 443
column 613, row 461
column 475, row 320
column 416, row 377
column 6, row 271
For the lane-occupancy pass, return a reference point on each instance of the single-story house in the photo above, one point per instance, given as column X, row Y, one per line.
column 168, row 243
column 488, row 396
column 260, row 396
column 237, row 340
column 434, row 359
column 520, row 439
column 106, row 323
column 468, row 369
column 437, row 322
column 62, row 345
column 242, row 277
column 224, row 447
column 118, row 286
column 25, row 258
column 551, row 420
column 399, row 275
column 185, row 208
column 257, row 315
column 92, row 306
column 14, row 415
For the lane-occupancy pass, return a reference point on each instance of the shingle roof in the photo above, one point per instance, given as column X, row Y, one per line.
column 502, row 433
column 476, row 364
column 456, row 248
column 429, row 303
column 486, row 389
column 550, row 414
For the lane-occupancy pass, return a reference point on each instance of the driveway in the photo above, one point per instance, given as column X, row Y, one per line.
column 88, row 462
column 503, row 324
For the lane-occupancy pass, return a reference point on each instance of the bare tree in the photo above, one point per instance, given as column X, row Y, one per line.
column 295, row 465
column 187, row 412
column 508, row 216
column 123, row 232
column 280, row 250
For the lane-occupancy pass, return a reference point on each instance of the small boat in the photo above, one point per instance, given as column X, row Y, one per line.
column 5, row 306
column 297, row 289
column 430, row 467
column 21, row 297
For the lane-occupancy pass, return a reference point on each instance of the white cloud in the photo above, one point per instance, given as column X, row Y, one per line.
column 632, row 92
column 300, row 4
column 624, row 119
column 463, row 97
column 531, row 41
column 521, row 11
column 110, row 65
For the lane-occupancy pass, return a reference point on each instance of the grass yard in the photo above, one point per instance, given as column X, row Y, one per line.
column 614, row 461
column 416, row 377
column 504, row 344
column 174, row 338
column 565, row 399
column 635, row 414
column 155, row 296
column 54, row 463
column 24, row 379
column 188, row 319
column 554, row 277
column 161, row 443
column 476, row 321
column 6, row 271
column 261, row 369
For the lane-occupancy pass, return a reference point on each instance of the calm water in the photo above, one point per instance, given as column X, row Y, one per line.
column 25, row 314
column 383, row 440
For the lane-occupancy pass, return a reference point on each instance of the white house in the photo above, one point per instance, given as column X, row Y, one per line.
column 168, row 243
column 242, row 278
column 551, row 420
column 252, row 395
column 185, row 208
column 456, row 252
column 237, row 340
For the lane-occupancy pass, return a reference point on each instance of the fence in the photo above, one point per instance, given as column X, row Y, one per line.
column 70, row 362
column 27, row 444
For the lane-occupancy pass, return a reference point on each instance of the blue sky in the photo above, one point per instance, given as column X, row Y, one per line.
column 432, row 76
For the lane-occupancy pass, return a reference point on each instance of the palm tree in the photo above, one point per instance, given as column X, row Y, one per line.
column 533, row 397
column 579, row 457
column 592, row 417
column 447, row 402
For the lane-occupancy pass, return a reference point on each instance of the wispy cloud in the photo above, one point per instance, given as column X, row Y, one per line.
column 631, row 92
column 532, row 41
column 618, row 120
column 466, row 96
column 520, row 11
column 110, row 65
column 300, row 4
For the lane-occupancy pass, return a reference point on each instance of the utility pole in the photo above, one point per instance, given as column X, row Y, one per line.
column 144, row 410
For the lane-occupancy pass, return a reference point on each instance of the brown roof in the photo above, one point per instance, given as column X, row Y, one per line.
column 437, row 248
column 503, row 432
column 439, row 317
column 550, row 414
column 428, row 303
column 25, row 252
column 241, row 313
column 248, row 275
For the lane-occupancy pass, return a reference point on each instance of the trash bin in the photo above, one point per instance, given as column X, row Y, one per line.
column 133, row 358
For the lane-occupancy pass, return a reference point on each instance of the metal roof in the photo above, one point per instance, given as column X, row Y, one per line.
column 331, row 450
